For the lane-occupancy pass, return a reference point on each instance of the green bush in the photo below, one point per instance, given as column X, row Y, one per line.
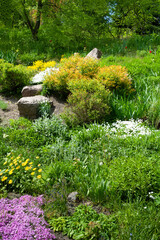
column 89, row 101
column 13, row 78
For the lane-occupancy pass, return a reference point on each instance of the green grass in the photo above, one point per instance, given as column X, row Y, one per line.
column 3, row 105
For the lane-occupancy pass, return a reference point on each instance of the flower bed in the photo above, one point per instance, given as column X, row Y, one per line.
column 22, row 218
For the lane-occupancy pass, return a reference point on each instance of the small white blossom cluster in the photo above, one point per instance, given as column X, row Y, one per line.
column 129, row 128
column 119, row 128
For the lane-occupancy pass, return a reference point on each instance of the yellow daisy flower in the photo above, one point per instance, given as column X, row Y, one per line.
column 10, row 182
column 32, row 173
column 27, row 168
column 31, row 163
column 40, row 170
column 34, row 169
column 39, row 165
column 37, row 157
column 18, row 167
column 39, row 176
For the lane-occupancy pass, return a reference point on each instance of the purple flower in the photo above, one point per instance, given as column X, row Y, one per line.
column 23, row 219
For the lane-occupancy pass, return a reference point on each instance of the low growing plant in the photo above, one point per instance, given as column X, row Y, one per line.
column 85, row 224
column 19, row 174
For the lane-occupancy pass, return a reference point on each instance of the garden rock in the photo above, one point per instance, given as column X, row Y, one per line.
column 95, row 53
column 28, row 106
column 39, row 77
column 32, row 90
column 72, row 202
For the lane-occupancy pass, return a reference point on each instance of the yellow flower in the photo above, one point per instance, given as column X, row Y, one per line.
column 11, row 172
column 18, row 157
column 3, row 179
column 5, row 163
column 37, row 157
column 18, row 167
column 6, row 170
column 10, row 181
column 1, row 174
column 27, row 168
column 40, row 170
column 24, row 164
column 27, row 159
column 20, row 161
column 15, row 164
column 34, row 169
column 32, row 173
column 39, row 165
column 10, row 164
column 39, row 176
column 12, row 157
column 31, row 163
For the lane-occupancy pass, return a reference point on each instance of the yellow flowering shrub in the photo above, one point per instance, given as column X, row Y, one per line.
column 115, row 78
column 71, row 69
column 41, row 66
column 19, row 173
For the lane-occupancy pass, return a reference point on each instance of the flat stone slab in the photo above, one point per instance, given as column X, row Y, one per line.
column 32, row 90
column 28, row 106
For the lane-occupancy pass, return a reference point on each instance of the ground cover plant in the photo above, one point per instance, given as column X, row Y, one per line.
column 112, row 162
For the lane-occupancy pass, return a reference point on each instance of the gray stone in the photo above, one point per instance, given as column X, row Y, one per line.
column 28, row 106
column 73, row 197
column 32, row 90
column 95, row 54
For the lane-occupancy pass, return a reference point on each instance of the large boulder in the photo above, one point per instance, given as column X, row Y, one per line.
column 95, row 54
column 28, row 106
column 32, row 90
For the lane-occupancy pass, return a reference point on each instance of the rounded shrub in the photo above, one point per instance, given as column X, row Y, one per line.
column 89, row 101
column 14, row 78
column 115, row 78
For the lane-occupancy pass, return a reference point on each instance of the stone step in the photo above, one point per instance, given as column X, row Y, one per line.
column 29, row 106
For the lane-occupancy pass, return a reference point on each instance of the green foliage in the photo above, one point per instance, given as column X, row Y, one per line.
column 153, row 114
column 134, row 175
column 44, row 110
column 3, row 105
column 13, row 78
column 85, row 223
column 88, row 102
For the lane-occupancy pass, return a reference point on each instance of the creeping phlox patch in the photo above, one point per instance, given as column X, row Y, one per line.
column 18, row 170
column 23, row 219
column 130, row 128
column 119, row 129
